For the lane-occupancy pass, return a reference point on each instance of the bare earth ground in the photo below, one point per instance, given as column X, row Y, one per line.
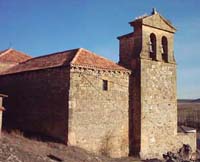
column 16, row 148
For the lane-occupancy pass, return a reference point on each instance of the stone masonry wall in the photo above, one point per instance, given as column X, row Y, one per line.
column 98, row 119
column 159, row 111
column 159, row 34
column 158, row 99
column 186, row 138
column 159, row 107
column 37, row 102
column 152, row 90
column 126, row 45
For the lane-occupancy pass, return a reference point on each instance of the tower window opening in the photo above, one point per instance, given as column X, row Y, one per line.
column 164, row 49
column 152, row 46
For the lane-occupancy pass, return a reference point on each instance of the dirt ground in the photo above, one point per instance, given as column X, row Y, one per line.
column 14, row 147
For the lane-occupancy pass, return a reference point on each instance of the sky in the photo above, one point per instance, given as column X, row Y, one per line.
column 39, row 27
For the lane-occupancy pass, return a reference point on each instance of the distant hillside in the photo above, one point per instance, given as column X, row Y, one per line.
column 189, row 100
column 197, row 100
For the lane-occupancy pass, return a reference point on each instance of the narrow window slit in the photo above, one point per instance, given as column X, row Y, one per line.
column 105, row 85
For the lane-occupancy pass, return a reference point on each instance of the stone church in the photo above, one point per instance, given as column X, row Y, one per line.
column 85, row 100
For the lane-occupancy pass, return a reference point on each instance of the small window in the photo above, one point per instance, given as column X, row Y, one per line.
column 105, row 85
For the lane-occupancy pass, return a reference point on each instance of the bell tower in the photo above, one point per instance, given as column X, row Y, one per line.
column 149, row 53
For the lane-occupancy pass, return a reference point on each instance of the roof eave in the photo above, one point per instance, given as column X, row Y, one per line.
column 98, row 68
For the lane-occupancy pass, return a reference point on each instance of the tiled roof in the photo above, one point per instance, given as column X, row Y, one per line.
column 13, row 56
column 43, row 62
column 75, row 57
column 88, row 59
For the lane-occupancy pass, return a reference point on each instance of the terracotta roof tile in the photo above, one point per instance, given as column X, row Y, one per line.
column 43, row 62
column 76, row 57
column 89, row 59
column 13, row 56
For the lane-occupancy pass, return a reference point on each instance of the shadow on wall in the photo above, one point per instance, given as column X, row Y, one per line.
column 106, row 145
column 111, row 145
column 134, row 114
column 32, row 135
column 38, row 103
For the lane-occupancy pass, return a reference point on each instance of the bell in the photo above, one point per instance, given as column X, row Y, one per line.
column 162, row 49
column 150, row 49
column 150, row 46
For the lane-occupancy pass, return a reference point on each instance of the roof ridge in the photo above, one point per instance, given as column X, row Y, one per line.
column 2, row 53
column 167, row 21
column 51, row 54
column 76, row 56
column 73, row 62
column 5, row 52
column 98, row 55
column 21, row 52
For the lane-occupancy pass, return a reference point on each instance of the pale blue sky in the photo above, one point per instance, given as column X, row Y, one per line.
column 39, row 27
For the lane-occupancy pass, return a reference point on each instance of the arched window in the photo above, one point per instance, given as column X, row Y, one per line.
column 152, row 46
column 164, row 49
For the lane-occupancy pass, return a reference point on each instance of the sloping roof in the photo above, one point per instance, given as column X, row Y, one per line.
column 126, row 35
column 13, row 56
column 43, row 62
column 89, row 59
column 75, row 57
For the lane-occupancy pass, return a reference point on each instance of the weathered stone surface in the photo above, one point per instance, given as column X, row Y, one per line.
column 98, row 119
column 152, row 88
column 158, row 112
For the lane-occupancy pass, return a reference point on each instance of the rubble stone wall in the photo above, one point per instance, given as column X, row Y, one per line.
column 159, row 110
column 186, row 138
column 37, row 102
column 98, row 119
